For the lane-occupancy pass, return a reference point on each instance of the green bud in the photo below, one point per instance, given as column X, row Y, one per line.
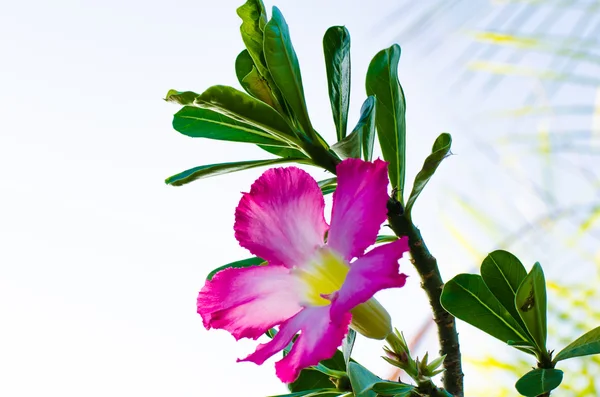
column 371, row 320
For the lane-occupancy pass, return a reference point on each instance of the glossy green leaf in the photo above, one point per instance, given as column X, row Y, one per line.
column 503, row 273
column 468, row 298
column 311, row 378
column 206, row 171
column 328, row 185
column 244, row 108
column 252, row 81
column 243, row 263
column 440, row 150
column 254, row 19
column 336, row 47
column 348, row 345
column 585, row 345
column 243, row 65
column 539, row 381
column 362, row 137
column 181, row 97
column 205, row 123
column 382, row 82
column 384, row 238
column 283, row 64
column 531, row 305
column 393, row 389
column 287, row 152
column 362, row 380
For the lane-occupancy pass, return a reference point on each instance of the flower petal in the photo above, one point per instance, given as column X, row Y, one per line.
column 318, row 340
column 375, row 271
column 281, row 219
column 359, row 206
column 249, row 301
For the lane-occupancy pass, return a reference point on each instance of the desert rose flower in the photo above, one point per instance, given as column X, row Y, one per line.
column 318, row 280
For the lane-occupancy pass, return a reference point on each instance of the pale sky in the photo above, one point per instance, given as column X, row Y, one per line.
column 100, row 261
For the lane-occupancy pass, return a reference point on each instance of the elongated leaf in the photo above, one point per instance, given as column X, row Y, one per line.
column 181, row 97
column 254, row 19
column 585, row 345
column 362, row 380
column 382, row 81
column 393, row 389
column 348, row 345
column 385, row 239
column 531, row 305
column 468, row 298
column 328, row 185
column 244, row 108
column 503, row 273
column 440, row 150
column 283, row 64
column 253, row 82
column 238, row 264
column 209, row 170
column 311, row 378
column 206, row 123
column 539, row 381
column 366, row 124
column 243, row 65
column 286, row 152
column 336, row 47
column 362, row 137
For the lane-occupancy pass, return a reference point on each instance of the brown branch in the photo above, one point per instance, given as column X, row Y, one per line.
column 431, row 282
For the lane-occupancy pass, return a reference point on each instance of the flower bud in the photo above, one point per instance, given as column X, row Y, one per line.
column 371, row 320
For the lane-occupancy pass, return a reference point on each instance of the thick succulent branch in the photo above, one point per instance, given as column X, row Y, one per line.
column 432, row 283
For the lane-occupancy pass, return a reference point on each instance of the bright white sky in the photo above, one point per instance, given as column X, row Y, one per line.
column 100, row 262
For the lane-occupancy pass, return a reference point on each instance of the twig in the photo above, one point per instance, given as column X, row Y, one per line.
column 431, row 282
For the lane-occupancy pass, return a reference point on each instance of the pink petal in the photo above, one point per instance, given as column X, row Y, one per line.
column 281, row 219
column 359, row 206
column 249, row 301
column 318, row 340
column 377, row 270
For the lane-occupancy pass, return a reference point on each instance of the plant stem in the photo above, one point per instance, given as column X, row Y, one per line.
column 431, row 282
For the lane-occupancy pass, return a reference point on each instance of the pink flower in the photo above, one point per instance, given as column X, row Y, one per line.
column 308, row 286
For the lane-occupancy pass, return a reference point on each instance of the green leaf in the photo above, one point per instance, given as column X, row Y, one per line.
column 243, row 65
column 382, row 81
column 328, row 185
column 285, row 70
column 256, row 261
column 539, row 381
column 585, row 345
column 205, row 171
column 252, row 81
column 254, row 19
column 468, row 298
column 336, row 47
column 440, row 150
column 287, row 152
column 393, row 389
column 181, row 97
column 205, row 123
column 312, row 378
column 531, row 305
column 244, row 108
column 348, row 345
column 503, row 273
column 362, row 137
column 362, row 380
column 384, row 238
